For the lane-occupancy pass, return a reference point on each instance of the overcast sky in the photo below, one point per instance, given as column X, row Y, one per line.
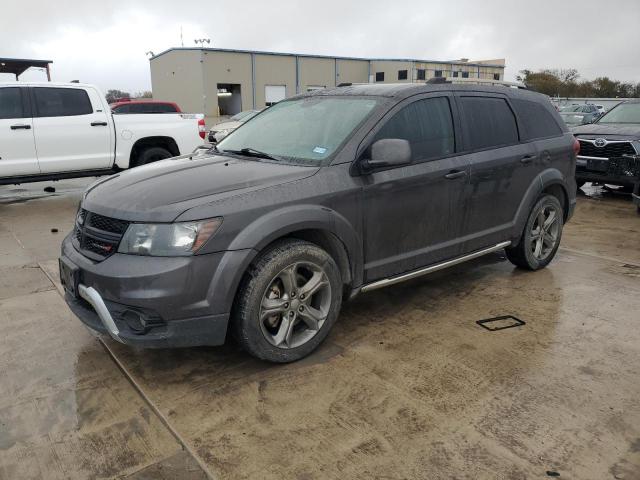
column 105, row 42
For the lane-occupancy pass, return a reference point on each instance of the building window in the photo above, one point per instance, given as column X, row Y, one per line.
column 379, row 76
column 496, row 76
column 402, row 74
column 465, row 74
column 437, row 73
column 455, row 74
column 422, row 74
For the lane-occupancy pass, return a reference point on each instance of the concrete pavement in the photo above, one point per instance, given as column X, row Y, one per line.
column 406, row 386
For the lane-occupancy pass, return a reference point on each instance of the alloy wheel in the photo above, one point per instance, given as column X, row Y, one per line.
column 544, row 232
column 295, row 305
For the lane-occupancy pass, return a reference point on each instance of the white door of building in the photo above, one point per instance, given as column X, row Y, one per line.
column 274, row 93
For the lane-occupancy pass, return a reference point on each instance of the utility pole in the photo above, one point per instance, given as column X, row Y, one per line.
column 181, row 40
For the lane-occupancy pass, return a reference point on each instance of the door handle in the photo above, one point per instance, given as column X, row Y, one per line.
column 20, row 127
column 98, row 124
column 527, row 159
column 455, row 174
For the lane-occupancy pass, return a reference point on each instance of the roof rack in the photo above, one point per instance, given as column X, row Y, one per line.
column 476, row 81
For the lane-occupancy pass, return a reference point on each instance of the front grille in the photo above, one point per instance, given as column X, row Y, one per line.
column 107, row 224
column 611, row 150
column 97, row 236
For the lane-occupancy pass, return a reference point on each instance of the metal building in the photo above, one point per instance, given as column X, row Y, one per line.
column 217, row 81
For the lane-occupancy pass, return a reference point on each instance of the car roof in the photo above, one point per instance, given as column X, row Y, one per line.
column 403, row 90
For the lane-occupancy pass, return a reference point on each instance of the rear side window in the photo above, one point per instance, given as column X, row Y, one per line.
column 427, row 125
column 535, row 120
column 489, row 122
column 61, row 102
column 11, row 103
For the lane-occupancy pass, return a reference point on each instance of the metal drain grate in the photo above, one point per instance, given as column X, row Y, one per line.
column 500, row 323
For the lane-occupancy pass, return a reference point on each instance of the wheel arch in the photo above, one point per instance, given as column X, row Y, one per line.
column 157, row 141
column 548, row 181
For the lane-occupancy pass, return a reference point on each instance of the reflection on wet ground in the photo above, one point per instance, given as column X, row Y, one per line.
column 406, row 386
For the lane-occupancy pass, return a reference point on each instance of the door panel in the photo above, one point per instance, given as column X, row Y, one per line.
column 412, row 213
column 502, row 168
column 71, row 130
column 413, row 217
column 17, row 145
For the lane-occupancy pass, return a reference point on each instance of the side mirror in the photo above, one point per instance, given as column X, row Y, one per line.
column 389, row 152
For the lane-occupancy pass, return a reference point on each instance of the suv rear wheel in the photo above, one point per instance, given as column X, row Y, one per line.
column 541, row 237
column 288, row 302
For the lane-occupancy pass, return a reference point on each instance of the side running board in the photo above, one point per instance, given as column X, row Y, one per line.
column 433, row 268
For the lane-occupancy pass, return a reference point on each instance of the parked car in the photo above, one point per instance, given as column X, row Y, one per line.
column 50, row 131
column 610, row 149
column 579, row 114
column 144, row 106
column 222, row 129
column 317, row 199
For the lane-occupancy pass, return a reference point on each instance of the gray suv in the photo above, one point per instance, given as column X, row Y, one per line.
column 314, row 200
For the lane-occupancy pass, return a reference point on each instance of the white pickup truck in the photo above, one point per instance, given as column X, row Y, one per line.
column 50, row 131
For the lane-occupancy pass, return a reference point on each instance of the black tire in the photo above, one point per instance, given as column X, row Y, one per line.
column 257, row 333
column 152, row 154
column 523, row 254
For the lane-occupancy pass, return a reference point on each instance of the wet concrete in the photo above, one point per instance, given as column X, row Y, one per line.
column 406, row 386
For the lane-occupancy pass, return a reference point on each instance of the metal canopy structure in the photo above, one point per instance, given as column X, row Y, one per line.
column 18, row 66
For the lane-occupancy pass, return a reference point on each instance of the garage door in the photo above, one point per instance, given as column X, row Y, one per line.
column 274, row 93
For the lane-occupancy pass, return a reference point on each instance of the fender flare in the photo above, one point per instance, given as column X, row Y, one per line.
column 544, row 180
column 289, row 219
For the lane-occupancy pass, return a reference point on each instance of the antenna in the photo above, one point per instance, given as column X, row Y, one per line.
column 202, row 41
column 181, row 39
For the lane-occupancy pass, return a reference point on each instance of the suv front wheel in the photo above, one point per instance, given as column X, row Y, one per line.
column 287, row 302
column 541, row 237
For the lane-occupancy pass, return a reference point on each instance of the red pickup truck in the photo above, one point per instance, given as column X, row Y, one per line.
column 144, row 106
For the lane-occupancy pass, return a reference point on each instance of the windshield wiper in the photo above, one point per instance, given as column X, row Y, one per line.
column 252, row 152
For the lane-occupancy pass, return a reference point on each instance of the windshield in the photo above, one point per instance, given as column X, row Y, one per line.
column 307, row 130
column 623, row 113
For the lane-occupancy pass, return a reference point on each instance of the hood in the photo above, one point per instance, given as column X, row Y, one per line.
column 225, row 126
column 161, row 191
column 623, row 131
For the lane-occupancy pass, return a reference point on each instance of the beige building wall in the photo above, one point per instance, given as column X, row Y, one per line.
column 390, row 69
column 316, row 72
column 274, row 70
column 177, row 77
column 226, row 67
column 353, row 71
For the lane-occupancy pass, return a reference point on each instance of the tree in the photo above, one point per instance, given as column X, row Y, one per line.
column 144, row 94
column 113, row 95
column 566, row 83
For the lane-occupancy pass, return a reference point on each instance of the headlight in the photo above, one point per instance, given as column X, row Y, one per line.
column 168, row 239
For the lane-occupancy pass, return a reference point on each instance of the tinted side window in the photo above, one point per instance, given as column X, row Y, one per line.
column 427, row 125
column 61, row 102
column 536, row 121
column 11, row 103
column 165, row 108
column 489, row 122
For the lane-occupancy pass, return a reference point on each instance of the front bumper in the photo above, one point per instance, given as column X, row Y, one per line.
column 155, row 302
column 615, row 171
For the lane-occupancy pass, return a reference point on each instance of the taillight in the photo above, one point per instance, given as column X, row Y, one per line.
column 576, row 146
column 202, row 130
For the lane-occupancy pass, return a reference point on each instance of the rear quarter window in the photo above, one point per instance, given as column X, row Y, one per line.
column 61, row 102
column 535, row 120
column 489, row 122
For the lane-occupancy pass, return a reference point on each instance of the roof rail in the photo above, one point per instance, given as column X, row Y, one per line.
column 476, row 81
